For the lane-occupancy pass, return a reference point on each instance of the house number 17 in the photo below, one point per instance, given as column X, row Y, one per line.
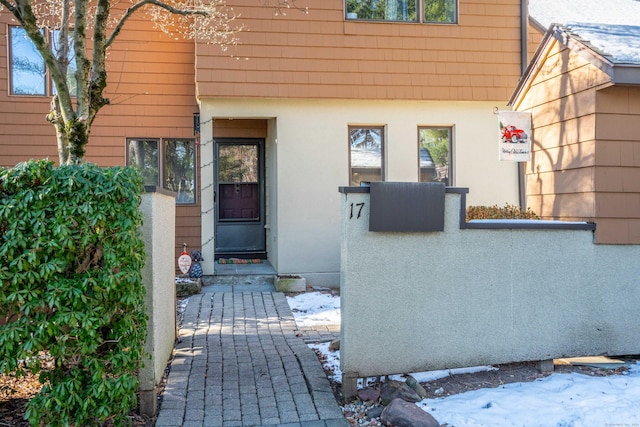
column 357, row 210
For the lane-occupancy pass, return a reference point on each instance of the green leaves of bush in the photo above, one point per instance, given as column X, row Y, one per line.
column 71, row 259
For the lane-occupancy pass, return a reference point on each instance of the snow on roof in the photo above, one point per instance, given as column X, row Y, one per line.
column 612, row 27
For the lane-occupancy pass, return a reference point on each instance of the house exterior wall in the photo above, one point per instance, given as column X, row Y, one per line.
column 152, row 91
column 321, row 55
column 313, row 75
column 307, row 157
column 617, row 165
column 583, row 164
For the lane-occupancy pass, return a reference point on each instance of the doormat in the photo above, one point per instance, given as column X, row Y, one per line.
column 239, row 261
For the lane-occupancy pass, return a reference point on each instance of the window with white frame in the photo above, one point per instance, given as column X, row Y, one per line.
column 434, row 149
column 167, row 163
column 366, row 154
column 425, row 11
column 29, row 76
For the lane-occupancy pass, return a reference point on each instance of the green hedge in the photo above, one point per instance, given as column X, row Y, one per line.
column 495, row 212
column 72, row 256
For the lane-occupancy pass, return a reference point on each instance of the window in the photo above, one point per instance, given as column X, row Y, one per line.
column 27, row 66
column 382, row 10
column 426, row 11
column 29, row 75
column 440, row 11
column 434, row 148
column 170, row 163
column 366, row 154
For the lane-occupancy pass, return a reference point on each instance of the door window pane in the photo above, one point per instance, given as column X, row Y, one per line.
column 238, row 163
column 27, row 66
column 434, row 153
column 143, row 154
column 366, row 152
column 238, row 187
column 179, row 173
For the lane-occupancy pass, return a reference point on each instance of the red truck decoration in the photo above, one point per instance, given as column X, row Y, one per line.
column 511, row 133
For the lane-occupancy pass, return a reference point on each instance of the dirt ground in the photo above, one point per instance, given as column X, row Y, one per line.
column 15, row 393
column 505, row 374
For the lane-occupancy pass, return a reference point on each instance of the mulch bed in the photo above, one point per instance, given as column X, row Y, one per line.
column 15, row 393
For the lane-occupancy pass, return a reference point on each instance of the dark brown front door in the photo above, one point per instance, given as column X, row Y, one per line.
column 240, row 218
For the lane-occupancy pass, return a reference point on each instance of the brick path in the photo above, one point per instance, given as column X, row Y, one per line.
column 241, row 362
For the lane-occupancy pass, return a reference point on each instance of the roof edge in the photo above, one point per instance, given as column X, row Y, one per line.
column 619, row 73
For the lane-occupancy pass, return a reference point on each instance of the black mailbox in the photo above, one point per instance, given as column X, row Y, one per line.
column 407, row 206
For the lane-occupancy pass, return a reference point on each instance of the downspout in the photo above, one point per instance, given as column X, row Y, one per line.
column 524, row 21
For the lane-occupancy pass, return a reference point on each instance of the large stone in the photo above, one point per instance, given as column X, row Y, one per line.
column 290, row 284
column 400, row 413
column 187, row 286
column 397, row 389
column 415, row 386
column 368, row 394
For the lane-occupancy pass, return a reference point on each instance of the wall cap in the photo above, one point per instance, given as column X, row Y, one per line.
column 160, row 190
column 492, row 224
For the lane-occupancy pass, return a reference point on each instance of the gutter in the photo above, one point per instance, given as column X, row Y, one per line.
column 524, row 20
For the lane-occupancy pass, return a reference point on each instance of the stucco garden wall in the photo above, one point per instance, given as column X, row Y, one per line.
column 158, row 209
column 472, row 296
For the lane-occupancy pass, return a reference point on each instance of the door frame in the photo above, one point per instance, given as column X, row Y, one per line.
column 260, row 251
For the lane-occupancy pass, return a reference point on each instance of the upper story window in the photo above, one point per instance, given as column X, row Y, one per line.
column 434, row 149
column 29, row 76
column 366, row 154
column 425, row 11
column 168, row 163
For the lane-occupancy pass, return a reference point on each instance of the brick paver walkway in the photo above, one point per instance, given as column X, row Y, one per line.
column 240, row 362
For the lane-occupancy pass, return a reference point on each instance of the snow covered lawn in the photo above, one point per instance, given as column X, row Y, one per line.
column 558, row 400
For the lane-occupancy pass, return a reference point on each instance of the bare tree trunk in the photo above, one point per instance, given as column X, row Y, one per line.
column 71, row 135
column 55, row 118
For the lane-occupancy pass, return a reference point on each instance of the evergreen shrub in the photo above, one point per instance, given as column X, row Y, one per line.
column 71, row 259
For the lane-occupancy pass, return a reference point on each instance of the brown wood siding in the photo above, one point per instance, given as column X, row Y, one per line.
column 152, row 92
column 320, row 55
column 534, row 37
column 560, row 176
column 617, row 160
column 239, row 128
column 586, row 150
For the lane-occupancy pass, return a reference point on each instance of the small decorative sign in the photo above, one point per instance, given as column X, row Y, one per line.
column 514, row 136
column 184, row 260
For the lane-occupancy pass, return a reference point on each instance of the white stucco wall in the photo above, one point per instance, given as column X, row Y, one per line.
column 413, row 302
column 311, row 149
column 158, row 230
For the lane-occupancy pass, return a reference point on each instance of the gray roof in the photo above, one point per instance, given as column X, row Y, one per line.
column 610, row 28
